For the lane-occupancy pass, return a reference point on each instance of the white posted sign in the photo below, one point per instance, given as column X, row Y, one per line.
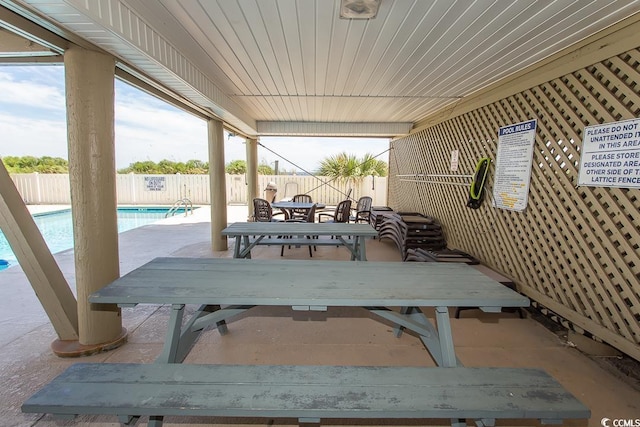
column 454, row 160
column 513, row 165
column 611, row 155
column 154, row 183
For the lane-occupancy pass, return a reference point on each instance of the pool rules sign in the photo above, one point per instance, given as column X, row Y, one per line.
column 611, row 155
column 513, row 165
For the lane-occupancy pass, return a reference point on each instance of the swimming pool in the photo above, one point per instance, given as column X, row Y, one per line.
column 57, row 229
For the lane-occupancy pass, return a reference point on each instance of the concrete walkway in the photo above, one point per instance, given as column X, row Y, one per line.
column 272, row 336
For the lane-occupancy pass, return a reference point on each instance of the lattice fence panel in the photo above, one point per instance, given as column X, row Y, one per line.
column 574, row 249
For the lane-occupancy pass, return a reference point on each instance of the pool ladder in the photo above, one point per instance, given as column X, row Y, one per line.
column 188, row 206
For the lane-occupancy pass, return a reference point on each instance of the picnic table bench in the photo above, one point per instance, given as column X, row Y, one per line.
column 307, row 393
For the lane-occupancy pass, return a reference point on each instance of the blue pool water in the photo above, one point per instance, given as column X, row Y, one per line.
column 57, row 230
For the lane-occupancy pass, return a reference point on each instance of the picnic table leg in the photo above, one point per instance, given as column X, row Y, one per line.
column 353, row 248
column 244, row 250
column 448, row 351
column 236, row 250
column 449, row 358
column 361, row 247
column 174, row 329
column 446, row 338
column 246, row 245
column 155, row 421
column 355, row 254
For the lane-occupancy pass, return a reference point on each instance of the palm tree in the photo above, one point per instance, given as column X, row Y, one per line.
column 371, row 166
column 345, row 166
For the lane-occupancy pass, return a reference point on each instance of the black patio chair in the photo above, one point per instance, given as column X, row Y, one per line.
column 262, row 211
column 363, row 210
column 300, row 213
column 341, row 214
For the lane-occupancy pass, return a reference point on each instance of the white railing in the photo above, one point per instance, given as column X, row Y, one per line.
column 133, row 189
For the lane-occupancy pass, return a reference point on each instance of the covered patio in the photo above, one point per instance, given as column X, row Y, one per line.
column 441, row 79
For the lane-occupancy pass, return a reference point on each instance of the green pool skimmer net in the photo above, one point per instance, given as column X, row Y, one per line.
column 476, row 191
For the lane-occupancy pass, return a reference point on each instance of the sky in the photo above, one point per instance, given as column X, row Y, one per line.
column 33, row 123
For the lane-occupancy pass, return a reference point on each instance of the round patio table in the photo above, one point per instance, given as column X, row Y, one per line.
column 289, row 206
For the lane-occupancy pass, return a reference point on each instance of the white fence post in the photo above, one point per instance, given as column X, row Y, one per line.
column 132, row 185
column 38, row 190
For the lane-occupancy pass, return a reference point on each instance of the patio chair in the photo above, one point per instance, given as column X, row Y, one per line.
column 300, row 213
column 290, row 188
column 262, row 211
column 310, row 217
column 341, row 214
column 363, row 210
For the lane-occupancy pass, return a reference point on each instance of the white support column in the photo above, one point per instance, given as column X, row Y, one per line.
column 217, row 186
column 252, row 173
column 89, row 78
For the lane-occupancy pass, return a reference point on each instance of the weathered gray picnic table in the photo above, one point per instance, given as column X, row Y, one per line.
column 251, row 234
column 224, row 288
column 308, row 285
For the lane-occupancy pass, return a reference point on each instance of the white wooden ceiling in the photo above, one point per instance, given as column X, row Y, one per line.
column 294, row 67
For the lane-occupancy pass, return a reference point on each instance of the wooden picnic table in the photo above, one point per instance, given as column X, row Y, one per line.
column 240, row 285
column 251, row 234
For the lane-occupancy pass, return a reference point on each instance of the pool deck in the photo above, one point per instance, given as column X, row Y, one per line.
column 22, row 311
column 273, row 337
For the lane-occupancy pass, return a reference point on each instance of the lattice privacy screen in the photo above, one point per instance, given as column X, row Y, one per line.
column 574, row 250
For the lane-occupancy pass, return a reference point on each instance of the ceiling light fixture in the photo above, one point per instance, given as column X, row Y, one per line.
column 359, row 9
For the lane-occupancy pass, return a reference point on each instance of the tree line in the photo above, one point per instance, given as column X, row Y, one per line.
column 342, row 165
column 31, row 164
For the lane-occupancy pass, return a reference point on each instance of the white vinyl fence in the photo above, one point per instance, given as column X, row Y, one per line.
column 135, row 189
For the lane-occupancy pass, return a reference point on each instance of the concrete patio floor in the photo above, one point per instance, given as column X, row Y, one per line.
column 274, row 336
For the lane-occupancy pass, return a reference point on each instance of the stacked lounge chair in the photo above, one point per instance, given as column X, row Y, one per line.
column 377, row 215
column 412, row 230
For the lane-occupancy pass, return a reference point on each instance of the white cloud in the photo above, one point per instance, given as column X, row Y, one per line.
column 22, row 136
column 27, row 93
column 32, row 122
column 147, row 130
